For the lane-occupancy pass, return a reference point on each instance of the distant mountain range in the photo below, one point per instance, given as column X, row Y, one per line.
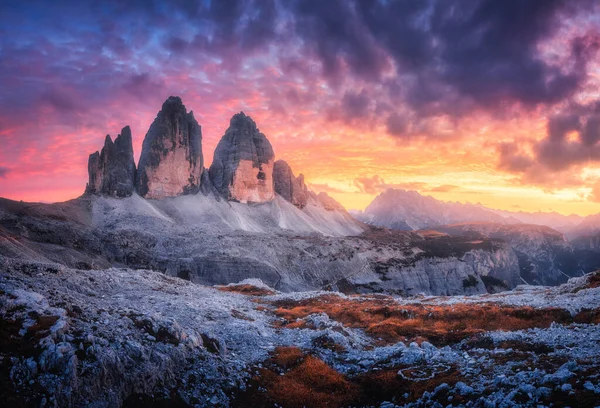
column 409, row 210
column 550, row 247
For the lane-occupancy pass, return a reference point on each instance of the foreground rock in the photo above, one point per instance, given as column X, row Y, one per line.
column 242, row 168
column 122, row 337
column 288, row 186
column 171, row 162
column 112, row 170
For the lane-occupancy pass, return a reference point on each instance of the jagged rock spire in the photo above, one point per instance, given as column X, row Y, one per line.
column 171, row 162
column 112, row 170
column 242, row 168
column 288, row 186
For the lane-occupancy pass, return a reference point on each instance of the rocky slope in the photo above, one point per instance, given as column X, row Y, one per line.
column 171, row 161
column 545, row 257
column 289, row 248
column 242, row 168
column 290, row 187
column 121, row 337
column 112, row 170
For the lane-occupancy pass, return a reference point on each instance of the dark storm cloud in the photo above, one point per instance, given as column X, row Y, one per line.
column 356, row 105
column 511, row 159
column 420, row 58
column 559, row 152
column 397, row 124
column 485, row 50
column 572, row 138
column 335, row 32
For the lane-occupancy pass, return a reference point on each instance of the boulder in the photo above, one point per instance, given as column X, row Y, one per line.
column 291, row 188
column 112, row 170
column 171, row 162
column 242, row 168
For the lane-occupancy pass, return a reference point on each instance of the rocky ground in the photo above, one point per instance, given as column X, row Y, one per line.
column 122, row 337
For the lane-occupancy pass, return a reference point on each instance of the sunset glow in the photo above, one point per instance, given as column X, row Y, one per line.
column 342, row 103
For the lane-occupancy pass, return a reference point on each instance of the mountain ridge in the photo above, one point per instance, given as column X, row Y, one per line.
column 393, row 205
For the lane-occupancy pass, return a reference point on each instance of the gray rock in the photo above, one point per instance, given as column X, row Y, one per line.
column 112, row 170
column 171, row 162
column 329, row 203
column 288, row 186
column 242, row 168
column 545, row 257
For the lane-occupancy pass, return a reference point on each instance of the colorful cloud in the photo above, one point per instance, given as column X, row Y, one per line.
column 493, row 101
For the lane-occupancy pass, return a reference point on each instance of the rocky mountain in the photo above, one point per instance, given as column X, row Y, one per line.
column 242, row 168
column 171, row 161
column 290, row 237
column 545, row 256
column 409, row 210
column 589, row 226
column 288, row 186
column 288, row 248
column 112, row 170
column 554, row 220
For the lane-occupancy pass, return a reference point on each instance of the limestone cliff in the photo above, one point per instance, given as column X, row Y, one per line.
column 290, row 187
column 242, row 168
column 171, row 162
column 112, row 170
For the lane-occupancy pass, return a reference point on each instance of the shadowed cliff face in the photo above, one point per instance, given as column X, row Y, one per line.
column 112, row 170
column 288, row 186
column 171, row 162
column 545, row 257
column 242, row 168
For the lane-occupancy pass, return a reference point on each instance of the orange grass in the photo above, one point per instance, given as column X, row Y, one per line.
column 292, row 379
column 246, row 290
column 390, row 322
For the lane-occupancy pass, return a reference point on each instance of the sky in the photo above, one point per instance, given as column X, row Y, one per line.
column 489, row 101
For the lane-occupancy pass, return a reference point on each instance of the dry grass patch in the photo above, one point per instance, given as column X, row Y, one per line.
column 292, row 379
column 246, row 289
column 390, row 322
column 287, row 357
column 591, row 316
column 594, row 280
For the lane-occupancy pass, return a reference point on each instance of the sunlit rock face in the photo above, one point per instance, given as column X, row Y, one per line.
column 171, row 162
column 242, row 168
column 112, row 170
column 288, row 186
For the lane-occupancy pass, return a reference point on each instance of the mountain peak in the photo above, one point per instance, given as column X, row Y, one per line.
column 242, row 168
column 290, row 187
column 171, row 161
column 112, row 170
